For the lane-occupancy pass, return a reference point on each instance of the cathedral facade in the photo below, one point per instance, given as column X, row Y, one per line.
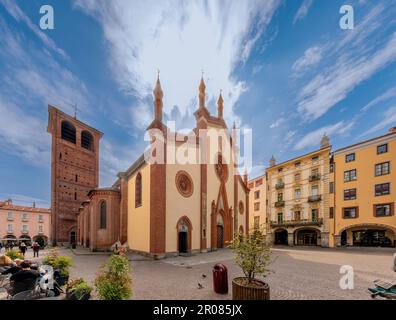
column 183, row 195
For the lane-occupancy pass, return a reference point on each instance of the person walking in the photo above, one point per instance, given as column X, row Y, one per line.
column 36, row 249
column 23, row 248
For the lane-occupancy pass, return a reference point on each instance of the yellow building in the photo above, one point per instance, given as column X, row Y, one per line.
column 258, row 203
column 194, row 200
column 298, row 199
column 364, row 181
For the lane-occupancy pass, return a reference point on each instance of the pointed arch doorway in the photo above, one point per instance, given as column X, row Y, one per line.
column 220, row 230
column 184, row 231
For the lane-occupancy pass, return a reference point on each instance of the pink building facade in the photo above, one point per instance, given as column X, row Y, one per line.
column 20, row 223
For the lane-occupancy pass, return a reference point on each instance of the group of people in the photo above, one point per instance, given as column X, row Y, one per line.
column 24, row 274
column 22, row 248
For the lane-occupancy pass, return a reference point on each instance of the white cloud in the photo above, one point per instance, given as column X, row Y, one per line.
column 303, row 11
column 313, row 138
column 15, row 11
column 311, row 57
column 389, row 94
column 389, row 120
column 277, row 123
column 181, row 38
column 336, row 82
column 25, row 138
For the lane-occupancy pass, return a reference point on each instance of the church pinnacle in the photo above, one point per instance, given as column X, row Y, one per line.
column 220, row 106
column 158, row 96
column 202, row 88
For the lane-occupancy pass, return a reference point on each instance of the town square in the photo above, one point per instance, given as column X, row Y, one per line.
column 196, row 150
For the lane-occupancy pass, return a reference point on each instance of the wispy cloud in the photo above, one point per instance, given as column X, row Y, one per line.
column 181, row 38
column 277, row 123
column 313, row 138
column 389, row 94
column 311, row 57
column 348, row 60
column 388, row 120
column 15, row 11
column 25, row 138
column 303, row 10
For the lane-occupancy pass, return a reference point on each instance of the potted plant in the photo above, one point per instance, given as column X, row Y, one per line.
column 78, row 289
column 253, row 256
column 61, row 264
column 13, row 254
column 113, row 281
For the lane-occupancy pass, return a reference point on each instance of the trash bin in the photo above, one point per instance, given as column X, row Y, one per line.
column 220, row 279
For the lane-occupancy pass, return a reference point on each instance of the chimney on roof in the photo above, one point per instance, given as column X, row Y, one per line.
column 392, row 130
column 9, row 201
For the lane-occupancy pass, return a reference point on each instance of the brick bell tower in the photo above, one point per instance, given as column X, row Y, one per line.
column 74, row 171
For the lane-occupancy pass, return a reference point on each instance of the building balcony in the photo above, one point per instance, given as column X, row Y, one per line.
column 41, row 221
column 10, row 231
column 297, row 223
column 279, row 185
column 314, row 177
column 316, row 198
column 41, row 232
column 10, row 219
column 25, row 220
column 25, row 231
column 279, row 204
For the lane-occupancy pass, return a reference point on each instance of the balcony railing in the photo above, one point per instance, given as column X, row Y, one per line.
column 279, row 204
column 25, row 219
column 25, row 231
column 279, row 185
column 316, row 198
column 10, row 218
column 297, row 223
column 314, row 177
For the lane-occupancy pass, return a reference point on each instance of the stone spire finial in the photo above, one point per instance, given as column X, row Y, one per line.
column 158, row 96
column 325, row 142
column 272, row 161
column 245, row 177
column 202, row 88
column 220, row 106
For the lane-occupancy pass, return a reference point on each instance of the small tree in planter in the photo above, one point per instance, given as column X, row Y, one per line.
column 61, row 263
column 113, row 281
column 253, row 255
column 78, row 289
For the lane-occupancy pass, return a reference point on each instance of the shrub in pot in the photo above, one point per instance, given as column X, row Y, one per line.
column 78, row 289
column 113, row 281
column 253, row 255
column 13, row 254
column 59, row 263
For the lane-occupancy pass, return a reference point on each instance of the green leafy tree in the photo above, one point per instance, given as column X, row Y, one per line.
column 253, row 254
column 113, row 281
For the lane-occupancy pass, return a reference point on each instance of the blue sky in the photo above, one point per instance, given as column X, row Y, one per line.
column 286, row 69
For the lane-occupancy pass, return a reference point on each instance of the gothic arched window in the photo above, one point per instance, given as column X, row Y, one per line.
column 87, row 140
column 68, row 132
column 138, row 190
column 103, row 215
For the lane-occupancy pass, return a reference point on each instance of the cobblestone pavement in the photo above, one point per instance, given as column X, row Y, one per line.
column 296, row 273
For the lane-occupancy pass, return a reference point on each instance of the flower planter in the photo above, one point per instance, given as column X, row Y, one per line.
column 72, row 296
column 62, row 280
column 258, row 290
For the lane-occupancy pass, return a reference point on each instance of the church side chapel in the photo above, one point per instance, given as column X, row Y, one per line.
column 171, row 208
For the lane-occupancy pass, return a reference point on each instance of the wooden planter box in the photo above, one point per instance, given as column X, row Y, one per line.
column 250, row 292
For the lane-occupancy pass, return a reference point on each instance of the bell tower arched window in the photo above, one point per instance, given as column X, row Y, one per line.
column 138, row 190
column 68, row 132
column 103, row 215
column 87, row 140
